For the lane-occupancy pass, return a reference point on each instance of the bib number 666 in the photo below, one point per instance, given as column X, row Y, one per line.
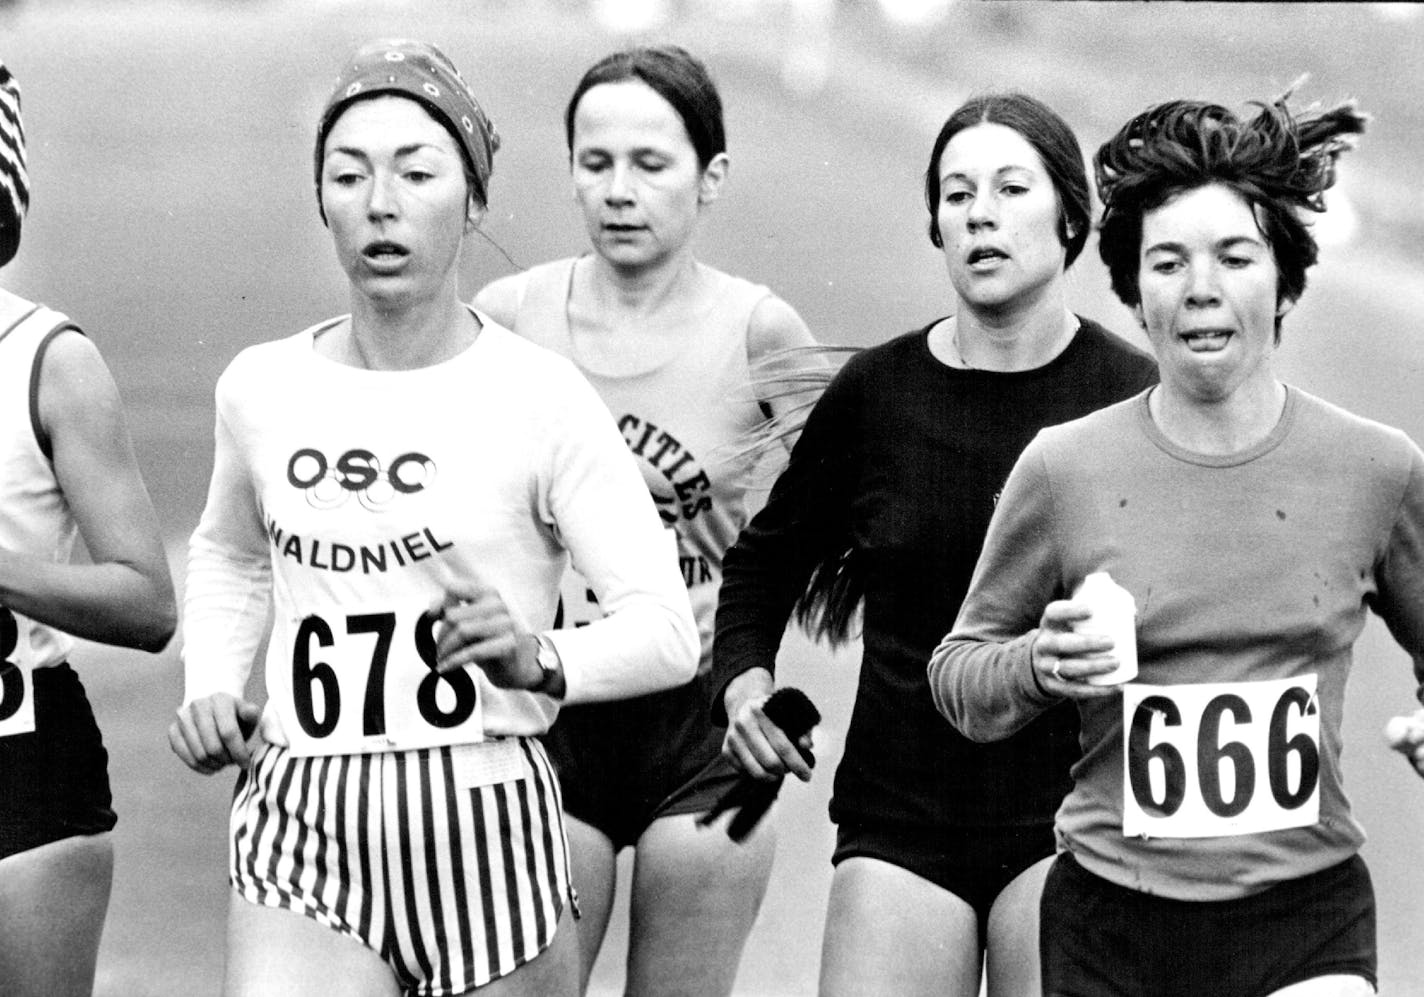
column 1220, row 758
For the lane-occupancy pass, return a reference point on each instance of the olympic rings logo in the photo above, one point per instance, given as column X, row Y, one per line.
column 358, row 472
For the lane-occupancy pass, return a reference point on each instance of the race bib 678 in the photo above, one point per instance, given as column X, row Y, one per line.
column 1220, row 758
column 365, row 680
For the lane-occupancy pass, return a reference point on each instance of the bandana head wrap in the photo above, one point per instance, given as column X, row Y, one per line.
column 422, row 72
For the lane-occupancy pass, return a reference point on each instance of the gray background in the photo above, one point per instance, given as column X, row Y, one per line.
column 174, row 218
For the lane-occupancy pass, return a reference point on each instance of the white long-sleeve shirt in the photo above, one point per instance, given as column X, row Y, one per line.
column 340, row 497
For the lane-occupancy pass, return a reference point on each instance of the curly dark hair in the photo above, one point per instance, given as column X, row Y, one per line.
column 1280, row 164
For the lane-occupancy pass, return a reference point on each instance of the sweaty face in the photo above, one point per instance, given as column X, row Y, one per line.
column 636, row 174
column 1207, row 279
column 998, row 218
column 395, row 196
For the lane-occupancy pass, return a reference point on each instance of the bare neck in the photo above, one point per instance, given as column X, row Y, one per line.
column 646, row 291
column 1219, row 426
column 1002, row 340
column 407, row 337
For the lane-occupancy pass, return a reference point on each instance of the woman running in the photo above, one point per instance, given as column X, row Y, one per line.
column 671, row 344
column 941, row 843
column 1208, row 844
column 405, row 486
column 69, row 468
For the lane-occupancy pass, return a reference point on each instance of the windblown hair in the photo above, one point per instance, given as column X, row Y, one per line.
column 828, row 607
column 1280, row 164
column 796, row 378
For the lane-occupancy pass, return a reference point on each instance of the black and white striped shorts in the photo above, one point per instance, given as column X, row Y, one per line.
column 450, row 863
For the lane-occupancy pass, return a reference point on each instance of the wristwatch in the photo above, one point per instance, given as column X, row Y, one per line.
column 550, row 668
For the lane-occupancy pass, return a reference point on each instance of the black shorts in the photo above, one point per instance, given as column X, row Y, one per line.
column 54, row 781
column 973, row 863
column 624, row 764
column 1099, row 939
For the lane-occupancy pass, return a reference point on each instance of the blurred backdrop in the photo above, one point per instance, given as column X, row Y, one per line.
column 174, row 218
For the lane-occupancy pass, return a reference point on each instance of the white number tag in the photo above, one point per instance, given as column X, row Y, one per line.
column 1220, row 758
column 17, row 691
column 366, row 681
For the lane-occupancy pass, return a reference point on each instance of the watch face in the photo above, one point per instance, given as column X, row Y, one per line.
column 548, row 658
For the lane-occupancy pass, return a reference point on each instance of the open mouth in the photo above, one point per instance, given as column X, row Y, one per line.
column 384, row 258
column 1206, row 340
column 985, row 256
column 383, row 251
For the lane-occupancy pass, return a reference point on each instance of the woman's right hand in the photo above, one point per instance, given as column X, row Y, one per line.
column 1064, row 659
column 210, row 733
column 1405, row 734
column 754, row 743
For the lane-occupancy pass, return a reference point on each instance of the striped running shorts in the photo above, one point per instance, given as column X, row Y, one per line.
column 450, row 863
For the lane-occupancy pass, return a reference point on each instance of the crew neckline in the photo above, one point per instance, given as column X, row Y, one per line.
column 310, row 335
column 1063, row 356
column 1256, row 450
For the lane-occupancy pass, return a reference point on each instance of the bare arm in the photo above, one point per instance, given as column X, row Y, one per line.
column 125, row 596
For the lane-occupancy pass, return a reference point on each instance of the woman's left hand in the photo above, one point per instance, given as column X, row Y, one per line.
column 1063, row 660
column 477, row 628
column 1406, row 735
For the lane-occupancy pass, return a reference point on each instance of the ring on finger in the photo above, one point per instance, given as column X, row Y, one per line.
column 1056, row 673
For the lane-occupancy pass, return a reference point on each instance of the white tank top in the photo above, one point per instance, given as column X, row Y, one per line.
column 684, row 415
column 35, row 518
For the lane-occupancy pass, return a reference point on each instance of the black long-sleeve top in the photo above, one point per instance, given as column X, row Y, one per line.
column 900, row 465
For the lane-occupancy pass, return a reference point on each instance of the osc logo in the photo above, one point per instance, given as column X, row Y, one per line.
column 329, row 484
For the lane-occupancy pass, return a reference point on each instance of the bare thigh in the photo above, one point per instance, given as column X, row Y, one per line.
column 52, row 903
column 695, row 896
column 273, row 952
column 552, row 973
column 889, row 932
column 593, row 870
column 1012, row 952
column 1335, row 985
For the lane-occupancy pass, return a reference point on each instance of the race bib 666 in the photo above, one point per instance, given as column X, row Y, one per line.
column 1220, row 758
column 366, row 681
column 17, row 692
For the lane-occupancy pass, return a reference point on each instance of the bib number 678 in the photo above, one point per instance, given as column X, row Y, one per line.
column 316, row 682
column 1196, row 758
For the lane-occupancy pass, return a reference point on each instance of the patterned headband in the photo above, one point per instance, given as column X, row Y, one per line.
column 422, row 72
column 14, row 177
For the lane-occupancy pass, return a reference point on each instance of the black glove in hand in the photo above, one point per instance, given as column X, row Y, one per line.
column 750, row 798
